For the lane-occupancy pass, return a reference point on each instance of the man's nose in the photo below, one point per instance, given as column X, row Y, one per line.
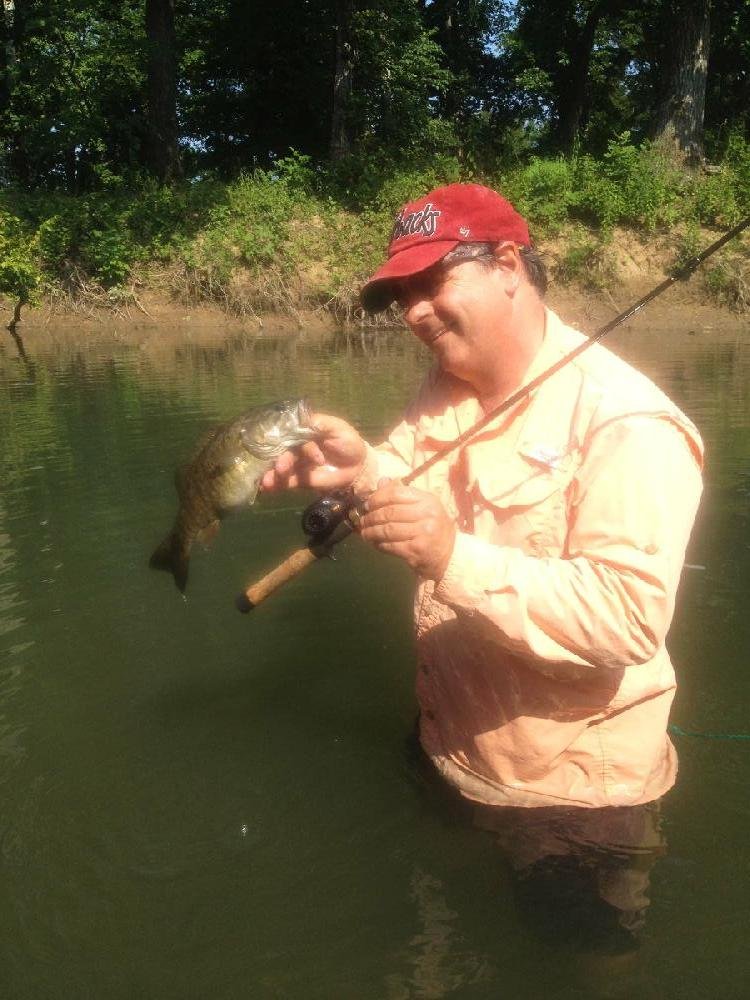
column 417, row 309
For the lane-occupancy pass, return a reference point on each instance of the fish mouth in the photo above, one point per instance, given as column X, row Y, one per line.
column 306, row 429
column 304, row 413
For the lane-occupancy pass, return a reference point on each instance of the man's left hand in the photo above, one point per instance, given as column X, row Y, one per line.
column 410, row 524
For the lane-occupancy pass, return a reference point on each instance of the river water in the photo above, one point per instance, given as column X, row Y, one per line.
column 198, row 803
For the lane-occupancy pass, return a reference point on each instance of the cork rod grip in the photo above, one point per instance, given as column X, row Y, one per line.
column 256, row 593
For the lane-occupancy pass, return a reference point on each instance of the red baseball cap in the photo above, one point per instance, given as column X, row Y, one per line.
column 430, row 227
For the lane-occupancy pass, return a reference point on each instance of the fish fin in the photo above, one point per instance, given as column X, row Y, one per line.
column 172, row 557
column 252, row 497
column 207, row 534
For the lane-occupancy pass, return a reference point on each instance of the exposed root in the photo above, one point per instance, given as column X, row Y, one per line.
column 16, row 319
column 78, row 293
column 14, row 332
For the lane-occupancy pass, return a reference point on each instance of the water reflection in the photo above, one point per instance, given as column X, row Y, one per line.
column 582, row 876
column 12, row 727
column 438, row 960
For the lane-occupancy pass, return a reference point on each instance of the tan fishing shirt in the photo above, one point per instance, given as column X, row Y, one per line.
column 542, row 674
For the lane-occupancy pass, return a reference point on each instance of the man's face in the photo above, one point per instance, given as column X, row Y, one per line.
column 460, row 312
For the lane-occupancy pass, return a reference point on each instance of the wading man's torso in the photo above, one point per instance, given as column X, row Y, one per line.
column 542, row 677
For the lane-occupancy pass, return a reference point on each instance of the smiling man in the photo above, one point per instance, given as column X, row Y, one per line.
column 547, row 550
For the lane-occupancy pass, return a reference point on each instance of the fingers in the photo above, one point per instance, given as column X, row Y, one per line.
column 388, row 531
column 393, row 491
column 410, row 524
column 274, row 480
column 394, row 501
column 329, row 425
column 296, row 468
column 407, row 513
column 308, row 452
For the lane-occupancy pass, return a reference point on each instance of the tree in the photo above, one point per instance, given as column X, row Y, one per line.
column 258, row 80
column 678, row 119
column 73, row 115
column 574, row 83
column 163, row 154
column 570, row 54
column 342, row 81
column 728, row 82
column 398, row 78
column 463, row 29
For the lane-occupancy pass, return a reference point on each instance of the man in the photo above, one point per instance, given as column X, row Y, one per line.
column 547, row 550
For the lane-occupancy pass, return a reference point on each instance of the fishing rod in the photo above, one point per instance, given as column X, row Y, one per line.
column 332, row 518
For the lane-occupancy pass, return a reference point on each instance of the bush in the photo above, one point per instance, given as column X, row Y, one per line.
column 714, row 200
column 308, row 232
column 738, row 161
column 631, row 186
column 544, row 192
column 20, row 276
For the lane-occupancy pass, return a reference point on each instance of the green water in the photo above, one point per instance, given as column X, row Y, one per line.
column 197, row 804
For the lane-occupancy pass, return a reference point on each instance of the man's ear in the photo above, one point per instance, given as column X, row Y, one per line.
column 510, row 265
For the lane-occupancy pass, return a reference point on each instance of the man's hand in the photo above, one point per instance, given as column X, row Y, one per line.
column 332, row 462
column 410, row 524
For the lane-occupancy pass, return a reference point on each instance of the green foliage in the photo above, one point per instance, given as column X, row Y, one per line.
column 688, row 245
column 580, row 260
column 630, row 185
column 253, row 222
column 20, row 276
column 715, row 199
column 544, row 192
column 57, row 236
column 297, row 172
column 738, row 161
column 397, row 70
column 729, row 283
column 491, row 83
column 305, row 230
column 74, row 77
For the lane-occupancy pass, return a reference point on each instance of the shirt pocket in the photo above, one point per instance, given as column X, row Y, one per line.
column 528, row 501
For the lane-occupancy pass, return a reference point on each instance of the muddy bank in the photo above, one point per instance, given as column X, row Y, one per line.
column 678, row 309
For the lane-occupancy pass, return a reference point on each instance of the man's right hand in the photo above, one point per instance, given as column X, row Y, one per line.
column 332, row 462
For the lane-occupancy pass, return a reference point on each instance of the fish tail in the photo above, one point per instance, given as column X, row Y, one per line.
column 173, row 556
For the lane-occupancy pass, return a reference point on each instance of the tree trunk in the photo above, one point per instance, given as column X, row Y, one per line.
column 572, row 95
column 6, row 55
column 446, row 17
column 341, row 139
column 678, row 121
column 162, row 150
column 15, row 27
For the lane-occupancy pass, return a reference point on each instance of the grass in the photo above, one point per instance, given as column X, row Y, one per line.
column 303, row 237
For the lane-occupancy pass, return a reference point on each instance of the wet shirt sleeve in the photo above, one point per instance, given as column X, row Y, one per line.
column 608, row 600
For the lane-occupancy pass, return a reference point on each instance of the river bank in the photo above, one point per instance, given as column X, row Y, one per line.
column 159, row 324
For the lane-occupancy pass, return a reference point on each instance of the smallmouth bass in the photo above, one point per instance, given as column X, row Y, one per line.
column 224, row 473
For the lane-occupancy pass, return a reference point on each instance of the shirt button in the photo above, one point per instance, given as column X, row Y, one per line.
column 424, row 668
column 429, row 715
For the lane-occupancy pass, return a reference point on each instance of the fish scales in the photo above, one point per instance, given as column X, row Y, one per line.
column 224, row 474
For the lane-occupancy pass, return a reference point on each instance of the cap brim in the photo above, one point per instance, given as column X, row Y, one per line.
column 379, row 292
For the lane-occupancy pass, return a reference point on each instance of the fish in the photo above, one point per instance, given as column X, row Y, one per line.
column 224, row 473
